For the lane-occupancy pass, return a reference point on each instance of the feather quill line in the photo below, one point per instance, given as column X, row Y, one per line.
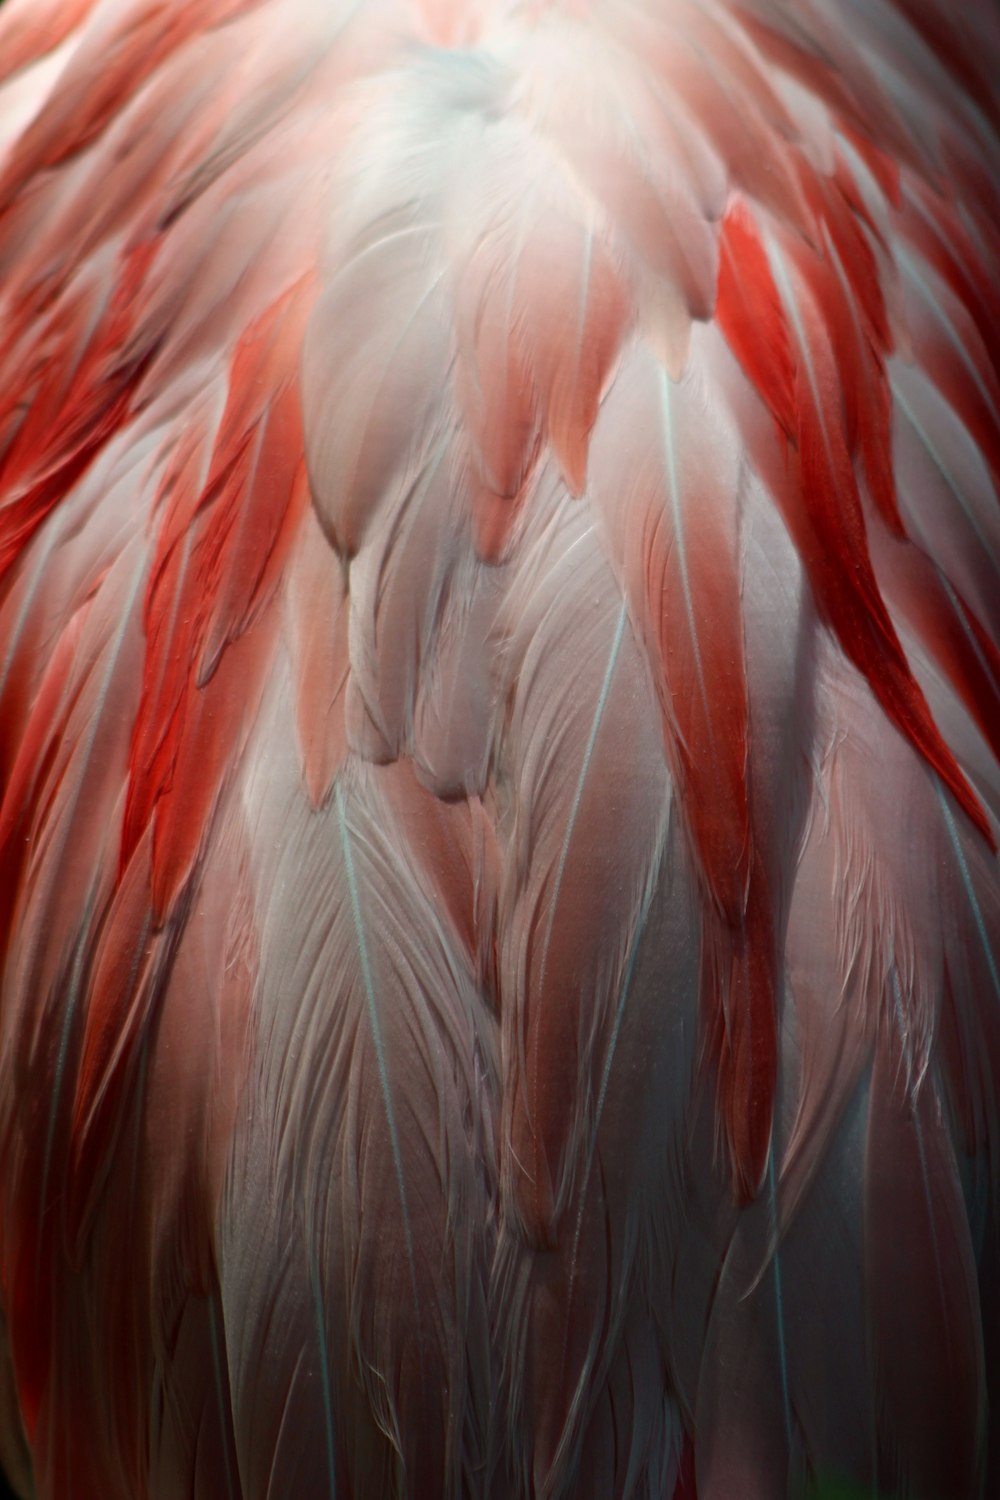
column 960, row 615
column 670, row 455
column 376, row 1029
column 935, row 457
column 909, row 264
column 602, row 702
column 592, row 1147
column 529, row 1035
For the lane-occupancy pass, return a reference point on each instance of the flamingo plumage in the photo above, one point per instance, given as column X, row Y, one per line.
column 499, row 734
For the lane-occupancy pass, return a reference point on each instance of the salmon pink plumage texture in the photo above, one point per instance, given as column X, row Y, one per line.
column 500, row 749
